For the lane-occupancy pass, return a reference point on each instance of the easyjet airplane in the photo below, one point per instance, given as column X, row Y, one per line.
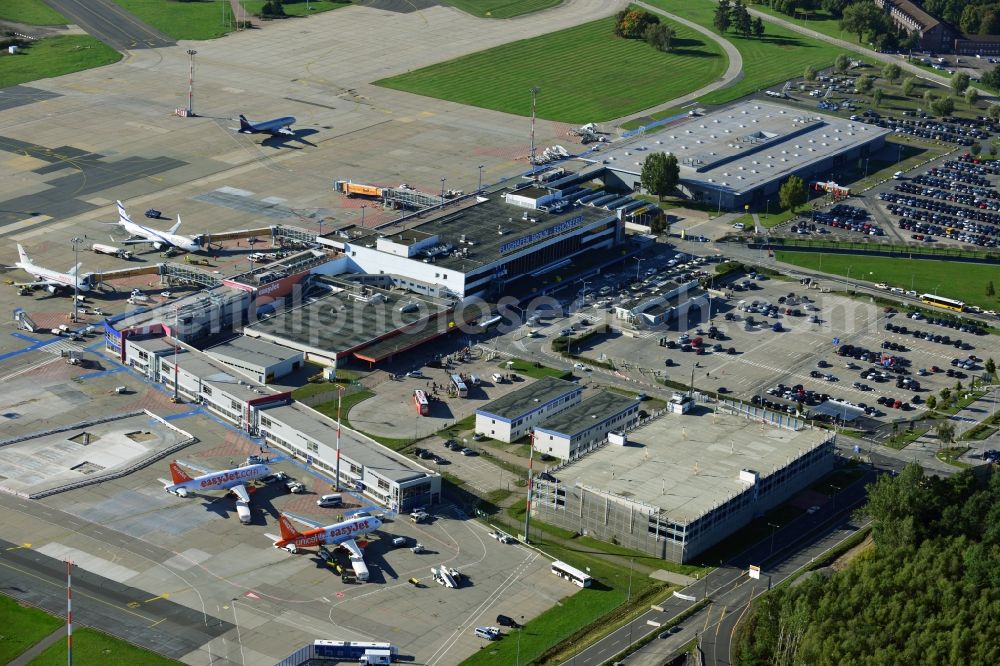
column 232, row 480
column 338, row 534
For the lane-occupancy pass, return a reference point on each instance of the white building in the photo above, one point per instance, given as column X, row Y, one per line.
column 586, row 425
column 259, row 360
column 511, row 417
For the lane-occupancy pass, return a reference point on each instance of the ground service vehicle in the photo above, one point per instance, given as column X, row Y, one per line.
column 119, row 252
column 571, row 574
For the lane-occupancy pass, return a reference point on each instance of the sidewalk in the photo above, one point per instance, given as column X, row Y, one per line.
column 25, row 657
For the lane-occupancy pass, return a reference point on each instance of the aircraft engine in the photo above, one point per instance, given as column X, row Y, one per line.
column 157, row 246
column 291, row 548
column 182, row 492
column 52, row 288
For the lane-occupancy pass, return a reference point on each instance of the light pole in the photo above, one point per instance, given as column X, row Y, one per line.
column 638, row 265
column 479, row 189
column 836, row 489
column 534, row 95
column 517, row 659
column 76, row 274
column 363, row 207
column 191, row 54
column 443, row 179
column 774, row 528
column 584, row 296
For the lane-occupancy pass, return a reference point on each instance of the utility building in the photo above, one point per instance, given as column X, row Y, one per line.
column 511, row 417
column 585, row 426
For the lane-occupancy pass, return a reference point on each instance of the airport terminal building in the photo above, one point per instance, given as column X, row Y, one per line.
column 683, row 483
column 484, row 246
column 740, row 155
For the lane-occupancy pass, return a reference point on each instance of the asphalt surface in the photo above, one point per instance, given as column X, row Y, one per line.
column 111, row 24
column 730, row 589
column 135, row 615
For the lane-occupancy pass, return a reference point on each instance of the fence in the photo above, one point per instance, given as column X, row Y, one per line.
column 754, row 413
column 74, row 426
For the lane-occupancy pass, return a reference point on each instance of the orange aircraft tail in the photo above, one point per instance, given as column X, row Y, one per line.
column 179, row 475
column 288, row 530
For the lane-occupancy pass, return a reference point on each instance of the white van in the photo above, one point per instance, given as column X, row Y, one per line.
column 489, row 633
column 497, row 378
column 474, row 380
column 330, row 500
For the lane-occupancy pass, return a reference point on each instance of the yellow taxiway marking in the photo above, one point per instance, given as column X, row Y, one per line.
column 165, row 595
column 23, row 545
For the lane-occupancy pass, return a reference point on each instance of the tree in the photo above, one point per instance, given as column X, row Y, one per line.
column 993, row 150
column 945, row 431
column 861, row 18
column 969, row 23
column 864, row 84
column 835, row 7
column 976, row 148
column 843, row 63
column 990, row 366
column 994, row 112
column 792, row 193
column 945, row 394
column 909, row 85
column 660, row 173
column 877, row 98
column 929, row 98
column 722, row 21
column 991, row 78
column 931, row 402
column 943, row 107
column 272, row 8
column 742, row 19
column 959, row 82
column 757, row 27
column 660, row 36
column 810, row 73
column 971, row 96
column 990, row 22
column 891, row 72
column 989, row 288
column 634, row 23
column 658, row 224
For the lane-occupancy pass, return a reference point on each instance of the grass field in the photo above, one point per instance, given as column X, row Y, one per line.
column 183, row 20
column 23, row 626
column 501, row 9
column 329, row 409
column 585, row 74
column 610, row 590
column 780, row 55
column 94, row 647
column 55, row 56
column 819, row 21
column 952, row 279
column 298, row 8
column 528, row 369
column 31, row 12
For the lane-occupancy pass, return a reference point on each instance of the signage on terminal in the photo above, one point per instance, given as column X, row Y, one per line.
column 544, row 233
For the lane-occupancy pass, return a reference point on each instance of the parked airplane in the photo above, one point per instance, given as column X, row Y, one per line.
column 338, row 534
column 50, row 279
column 274, row 127
column 232, row 480
column 158, row 239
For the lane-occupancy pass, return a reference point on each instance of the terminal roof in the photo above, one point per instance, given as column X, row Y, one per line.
column 528, row 398
column 588, row 413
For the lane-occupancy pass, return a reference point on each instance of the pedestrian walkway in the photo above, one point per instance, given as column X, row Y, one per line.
column 28, row 655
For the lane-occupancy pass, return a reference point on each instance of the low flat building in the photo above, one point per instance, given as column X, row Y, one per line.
column 684, row 483
column 360, row 320
column 391, row 479
column 585, row 426
column 259, row 360
column 511, row 417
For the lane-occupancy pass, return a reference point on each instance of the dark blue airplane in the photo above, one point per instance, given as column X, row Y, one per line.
column 273, row 127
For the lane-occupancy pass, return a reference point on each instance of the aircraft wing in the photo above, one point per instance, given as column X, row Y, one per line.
column 39, row 283
column 241, row 492
column 305, row 521
column 352, row 546
column 199, row 468
column 135, row 241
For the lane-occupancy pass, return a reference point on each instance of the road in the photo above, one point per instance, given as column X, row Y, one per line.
column 111, row 24
column 729, row 588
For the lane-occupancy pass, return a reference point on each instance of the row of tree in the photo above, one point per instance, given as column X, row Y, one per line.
column 736, row 16
column 637, row 24
column 927, row 593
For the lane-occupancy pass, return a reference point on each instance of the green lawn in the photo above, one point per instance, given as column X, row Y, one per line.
column 55, row 56
column 584, row 73
column 32, row 12
column 501, row 9
column 610, row 590
column 528, row 369
column 206, row 19
column 298, row 7
column 23, row 626
column 329, row 409
column 779, row 56
column 93, row 647
column 819, row 21
column 952, row 279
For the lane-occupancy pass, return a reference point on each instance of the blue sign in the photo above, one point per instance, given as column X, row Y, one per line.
column 540, row 235
column 836, row 341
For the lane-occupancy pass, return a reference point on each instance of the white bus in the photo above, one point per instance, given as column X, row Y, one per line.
column 571, row 574
column 460, row 387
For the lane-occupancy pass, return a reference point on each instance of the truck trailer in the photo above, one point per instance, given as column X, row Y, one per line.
column 121, row 253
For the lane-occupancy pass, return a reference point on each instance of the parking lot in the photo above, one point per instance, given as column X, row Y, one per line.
column 783, row 333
